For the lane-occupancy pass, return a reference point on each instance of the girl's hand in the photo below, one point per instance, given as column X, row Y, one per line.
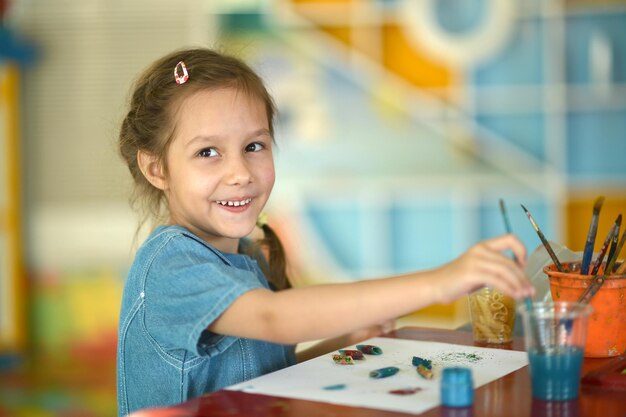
column 367, row 333
column 486, row 265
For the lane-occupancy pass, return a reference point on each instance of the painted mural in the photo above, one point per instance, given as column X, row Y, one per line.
column 401, row 125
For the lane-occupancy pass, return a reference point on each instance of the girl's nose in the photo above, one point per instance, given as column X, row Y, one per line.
column 238, row 171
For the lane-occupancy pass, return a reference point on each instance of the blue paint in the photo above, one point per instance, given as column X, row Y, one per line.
column 384, row 372
column 370, row 349
column 336, row 387
column 555, row 374
column 417, row 361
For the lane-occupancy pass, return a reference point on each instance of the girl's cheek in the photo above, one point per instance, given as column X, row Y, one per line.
column 272, row 177
column 269, row 173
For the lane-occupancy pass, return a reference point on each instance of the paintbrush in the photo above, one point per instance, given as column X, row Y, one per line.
column 592, row 289
column 622, row 269
column 507, row 224
column 528, row 302
column 596, row 265
column 598, row 280
column 615, row 240
column 611, row 262
column 591, row 236
column 558, row 265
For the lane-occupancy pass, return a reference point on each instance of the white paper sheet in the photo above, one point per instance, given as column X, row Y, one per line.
column 308, row 380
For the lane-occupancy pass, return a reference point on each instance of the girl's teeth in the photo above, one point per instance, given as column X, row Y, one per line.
column 235, row 203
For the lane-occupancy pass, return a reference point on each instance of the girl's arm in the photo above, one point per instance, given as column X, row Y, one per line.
column 330, row 310
column 329, row 345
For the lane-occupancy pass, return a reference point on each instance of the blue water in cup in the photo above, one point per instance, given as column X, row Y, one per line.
column 555, row 335
column 555, row 374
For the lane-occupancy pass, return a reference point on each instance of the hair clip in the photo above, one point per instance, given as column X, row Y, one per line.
column 181, row 79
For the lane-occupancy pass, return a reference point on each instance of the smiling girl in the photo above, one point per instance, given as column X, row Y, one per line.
column 202, row 308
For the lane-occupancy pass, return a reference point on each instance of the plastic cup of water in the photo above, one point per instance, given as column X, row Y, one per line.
column 555, row 347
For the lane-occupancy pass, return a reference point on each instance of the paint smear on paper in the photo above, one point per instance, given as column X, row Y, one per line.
column 405, row 391
column 335, row 387
column 461, row 357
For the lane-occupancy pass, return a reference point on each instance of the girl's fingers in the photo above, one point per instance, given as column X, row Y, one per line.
column 506, row 276
column 486, row 264
column 499, row 270
column 490, row 258
column 508, row 242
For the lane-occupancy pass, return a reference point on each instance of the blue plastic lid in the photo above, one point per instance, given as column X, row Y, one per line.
column 457, row 375
column 457, row 387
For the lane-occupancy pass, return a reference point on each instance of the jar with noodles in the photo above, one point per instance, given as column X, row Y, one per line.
column 492, row 315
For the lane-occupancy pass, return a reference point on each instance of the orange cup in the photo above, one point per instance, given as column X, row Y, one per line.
column 606, row 334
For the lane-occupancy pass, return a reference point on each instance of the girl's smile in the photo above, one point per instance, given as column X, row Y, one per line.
column 236, row 205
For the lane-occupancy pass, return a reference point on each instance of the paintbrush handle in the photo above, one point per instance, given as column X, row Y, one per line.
column 533, row 323
column 618, row 224
column 593, row 288
column 507, row 224
column 545, row 242
column 588, row 252
column 611, row 262
column 591, row 236
column 605, row 246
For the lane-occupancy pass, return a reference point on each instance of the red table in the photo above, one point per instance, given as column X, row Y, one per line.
column 508, row 396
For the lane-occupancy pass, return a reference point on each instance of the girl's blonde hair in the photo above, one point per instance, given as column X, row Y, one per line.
column 149, row 126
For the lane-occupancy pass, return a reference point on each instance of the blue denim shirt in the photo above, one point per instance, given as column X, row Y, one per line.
column 177, row 286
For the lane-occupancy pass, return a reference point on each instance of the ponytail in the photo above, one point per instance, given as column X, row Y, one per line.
column 277, row 274
column 270, row 255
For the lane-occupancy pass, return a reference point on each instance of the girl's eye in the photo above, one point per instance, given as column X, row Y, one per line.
column 255, row 147
column 207, row 153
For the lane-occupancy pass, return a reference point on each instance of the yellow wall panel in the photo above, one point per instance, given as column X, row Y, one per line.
column 416, row 67
column 328, row 2
column 12, row 280
column 342, row 34
column 578, row 213
column 362, row 39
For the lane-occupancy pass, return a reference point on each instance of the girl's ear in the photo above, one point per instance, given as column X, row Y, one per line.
column 152, row 169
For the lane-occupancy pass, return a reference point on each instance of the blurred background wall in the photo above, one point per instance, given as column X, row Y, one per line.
column 401, row 125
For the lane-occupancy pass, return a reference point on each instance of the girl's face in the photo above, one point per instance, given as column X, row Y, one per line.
column 220, row 166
